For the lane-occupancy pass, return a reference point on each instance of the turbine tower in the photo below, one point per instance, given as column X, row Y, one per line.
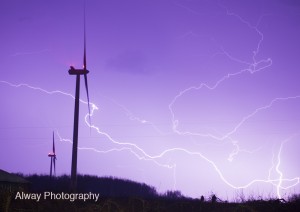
column 78, row 73
column 52, row 156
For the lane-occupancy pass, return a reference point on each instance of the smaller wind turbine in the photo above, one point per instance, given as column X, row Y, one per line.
column 52, row 156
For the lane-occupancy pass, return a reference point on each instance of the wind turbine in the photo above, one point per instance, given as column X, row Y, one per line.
column 78, row 73
column 52, row 156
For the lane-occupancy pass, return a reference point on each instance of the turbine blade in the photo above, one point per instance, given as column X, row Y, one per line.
column 54, row 165
column 51, row 167
column 88, row 97
column 53, row 145
column 84, row 55
column 84, row 41
column 85, row 65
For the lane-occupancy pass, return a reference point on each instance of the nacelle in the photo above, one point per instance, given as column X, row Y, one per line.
column 73, row 71
column 51, row 154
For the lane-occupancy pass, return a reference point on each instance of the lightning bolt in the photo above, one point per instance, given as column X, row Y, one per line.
column 45, row 91
column 252, row 68
column 280, row 180
column 141, row 154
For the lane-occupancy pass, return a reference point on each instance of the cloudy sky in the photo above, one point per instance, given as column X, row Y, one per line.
column 194, row 95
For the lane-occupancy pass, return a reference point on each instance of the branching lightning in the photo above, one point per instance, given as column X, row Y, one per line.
column 141, row 154
column 252, row 67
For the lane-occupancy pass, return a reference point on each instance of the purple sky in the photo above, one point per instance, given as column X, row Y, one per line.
column 194, row 95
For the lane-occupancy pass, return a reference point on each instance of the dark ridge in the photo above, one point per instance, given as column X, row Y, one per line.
column 105, row 186
column 126, row 195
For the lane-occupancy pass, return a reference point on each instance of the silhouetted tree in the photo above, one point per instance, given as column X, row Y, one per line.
column 173, row 195
column 213, row 198
column 202, row 198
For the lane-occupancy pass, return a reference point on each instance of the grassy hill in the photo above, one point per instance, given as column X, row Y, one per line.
column 125, row 195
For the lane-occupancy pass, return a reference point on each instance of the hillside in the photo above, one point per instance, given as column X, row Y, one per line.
column 121, row 195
